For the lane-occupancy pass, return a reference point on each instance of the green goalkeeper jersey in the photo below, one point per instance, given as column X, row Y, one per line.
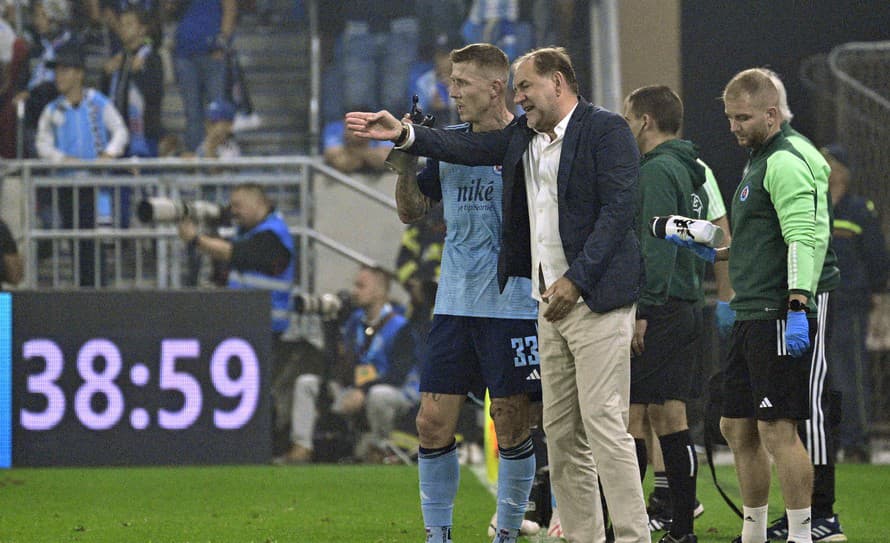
column 774, row 232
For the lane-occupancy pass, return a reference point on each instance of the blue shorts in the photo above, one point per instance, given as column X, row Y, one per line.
column 469, row 354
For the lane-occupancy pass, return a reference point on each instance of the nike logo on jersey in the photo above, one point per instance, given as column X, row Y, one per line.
column 477, row 191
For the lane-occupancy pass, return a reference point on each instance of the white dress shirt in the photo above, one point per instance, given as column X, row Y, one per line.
column 541, row 162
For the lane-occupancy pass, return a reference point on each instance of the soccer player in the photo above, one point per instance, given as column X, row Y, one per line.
column 480, row 336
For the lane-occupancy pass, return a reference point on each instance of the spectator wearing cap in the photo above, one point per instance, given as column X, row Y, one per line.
column 80, row 124
column 219, row 141
column 862, row 257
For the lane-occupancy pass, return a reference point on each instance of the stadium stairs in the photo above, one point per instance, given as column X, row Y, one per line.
column 274, row 54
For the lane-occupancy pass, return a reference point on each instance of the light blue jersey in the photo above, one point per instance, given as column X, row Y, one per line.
column 468, row 282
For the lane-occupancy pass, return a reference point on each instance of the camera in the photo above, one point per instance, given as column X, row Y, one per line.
column 166, row 210
column 699, row 231
column 329, row 306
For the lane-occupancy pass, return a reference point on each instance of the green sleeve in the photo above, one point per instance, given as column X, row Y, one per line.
column 793, row 193
column 716, row 208
column 659, row 199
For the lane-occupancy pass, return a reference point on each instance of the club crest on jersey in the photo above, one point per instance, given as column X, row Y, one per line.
column 697, row 205
column 744, row 194
column 498, row 169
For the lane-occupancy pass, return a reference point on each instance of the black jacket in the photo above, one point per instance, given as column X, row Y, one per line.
column 598, row 194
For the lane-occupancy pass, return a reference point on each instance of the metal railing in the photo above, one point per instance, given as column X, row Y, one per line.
column 80, row 227
column 851, row 89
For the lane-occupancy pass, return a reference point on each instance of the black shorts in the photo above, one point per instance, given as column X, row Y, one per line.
column 761, row 381
column 470, row 354
column 666, row 368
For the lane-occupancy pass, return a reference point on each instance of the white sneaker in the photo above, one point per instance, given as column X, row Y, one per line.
column 528, row 527
column 555, row 528
column 244, row 122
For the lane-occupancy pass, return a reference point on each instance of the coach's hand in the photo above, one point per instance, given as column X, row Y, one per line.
column 561, row 297
column 701, row 251
column 797, row 333
column 725, row 318
column 377, row 126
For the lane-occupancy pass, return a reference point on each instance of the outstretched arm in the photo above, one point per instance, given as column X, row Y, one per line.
column 376, row 126
column 469, row 148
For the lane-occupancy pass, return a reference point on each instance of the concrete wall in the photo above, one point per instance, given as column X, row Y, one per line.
column 359, row 223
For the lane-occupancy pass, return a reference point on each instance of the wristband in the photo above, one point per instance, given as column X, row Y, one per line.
column 403, row 136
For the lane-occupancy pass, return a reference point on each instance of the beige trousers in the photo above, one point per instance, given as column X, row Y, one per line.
column 585, row 377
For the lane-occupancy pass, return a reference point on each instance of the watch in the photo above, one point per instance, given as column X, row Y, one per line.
column 797, row 305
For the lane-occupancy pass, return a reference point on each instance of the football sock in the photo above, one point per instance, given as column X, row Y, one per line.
column 516, row 473
column 661, row 485
column 439, row 473
column 681, row 466
column 754, row 524
column 799, row 524
column 823, row 491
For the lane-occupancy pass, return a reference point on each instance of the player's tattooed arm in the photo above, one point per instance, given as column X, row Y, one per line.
column 411, row 203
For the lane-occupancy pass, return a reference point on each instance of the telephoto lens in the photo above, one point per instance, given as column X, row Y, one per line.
column 166, row 210
column 697, row 230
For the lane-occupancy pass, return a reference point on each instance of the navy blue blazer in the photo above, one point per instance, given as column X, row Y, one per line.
column 598, row 197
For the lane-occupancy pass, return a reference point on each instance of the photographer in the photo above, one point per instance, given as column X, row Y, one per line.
column 261, row 255
column 376, row 355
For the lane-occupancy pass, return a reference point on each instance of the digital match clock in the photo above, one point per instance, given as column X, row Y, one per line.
column 126, row 378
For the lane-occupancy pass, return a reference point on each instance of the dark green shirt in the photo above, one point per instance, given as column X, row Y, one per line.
column 774, row 232
column 671, row 182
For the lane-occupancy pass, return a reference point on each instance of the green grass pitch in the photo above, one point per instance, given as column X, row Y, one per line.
column 319, row 504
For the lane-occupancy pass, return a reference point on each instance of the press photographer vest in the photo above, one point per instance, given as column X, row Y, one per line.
column 279, row 285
